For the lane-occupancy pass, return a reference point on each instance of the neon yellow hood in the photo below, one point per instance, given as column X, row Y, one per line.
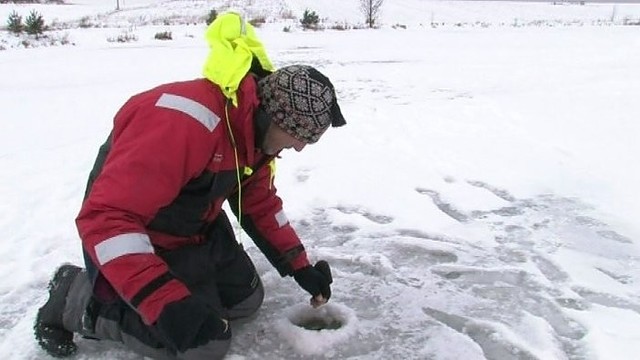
column 233, row 43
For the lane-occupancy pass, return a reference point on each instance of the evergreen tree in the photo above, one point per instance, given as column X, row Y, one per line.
column 14, row 23
column 310, row 19
column 34, row 23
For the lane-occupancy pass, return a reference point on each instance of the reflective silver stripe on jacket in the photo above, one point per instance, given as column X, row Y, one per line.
column 281, row 218
column 190, row 107
column 125, row 244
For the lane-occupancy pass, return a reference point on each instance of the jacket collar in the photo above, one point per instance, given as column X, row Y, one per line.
column 248, row 132
column 261, row 122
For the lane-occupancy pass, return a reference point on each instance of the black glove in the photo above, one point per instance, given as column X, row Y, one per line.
column 189, row 323
column 315, row 279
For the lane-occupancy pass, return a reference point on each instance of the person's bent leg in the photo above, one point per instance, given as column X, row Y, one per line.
column 85, row 315
column 249, row 306
column 233, row 284
column 121, row 323
column 118, row 322
column 240, row 287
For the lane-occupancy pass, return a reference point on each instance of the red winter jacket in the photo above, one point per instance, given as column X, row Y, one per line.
column 163, row 141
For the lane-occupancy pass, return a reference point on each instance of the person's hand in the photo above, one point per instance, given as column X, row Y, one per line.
column 316, row 281
column 189, row 323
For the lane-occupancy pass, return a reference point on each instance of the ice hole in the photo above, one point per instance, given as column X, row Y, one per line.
column 316, row 320
column 314, row 331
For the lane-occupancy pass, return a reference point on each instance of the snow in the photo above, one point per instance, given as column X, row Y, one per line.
column 481, row 203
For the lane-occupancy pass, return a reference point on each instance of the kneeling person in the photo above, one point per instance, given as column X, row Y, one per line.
column 164, row 273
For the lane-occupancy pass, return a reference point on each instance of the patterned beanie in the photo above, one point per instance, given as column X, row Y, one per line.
column 301, row 101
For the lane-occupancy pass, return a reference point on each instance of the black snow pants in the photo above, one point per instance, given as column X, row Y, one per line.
column 218, row 271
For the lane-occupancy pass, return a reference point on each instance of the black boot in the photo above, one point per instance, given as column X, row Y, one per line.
column 48, row 329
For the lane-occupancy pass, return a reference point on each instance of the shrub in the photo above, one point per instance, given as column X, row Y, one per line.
column 286, row 29
column 258, row 21
column 14, row 23
column 310, row 19
column 34, row 23
column 340, row 26
column 287, row 15
column 628, row 21
column 85, row 22
column 165, row 35
column 56, row 40
column 125, row 37
column 213, row 14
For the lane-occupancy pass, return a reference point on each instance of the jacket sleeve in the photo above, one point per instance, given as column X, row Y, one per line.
column 266, row 223
column 154, row 152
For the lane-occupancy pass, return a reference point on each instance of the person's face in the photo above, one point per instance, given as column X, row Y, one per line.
column 277, row 139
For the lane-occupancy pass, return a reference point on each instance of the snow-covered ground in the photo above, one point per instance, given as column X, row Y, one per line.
column 482, row 202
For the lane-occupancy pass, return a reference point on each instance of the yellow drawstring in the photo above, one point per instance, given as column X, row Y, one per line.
column 272, row 175
column 235, row 154
column 246, row 171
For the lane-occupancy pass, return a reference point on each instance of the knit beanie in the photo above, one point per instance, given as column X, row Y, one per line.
column 301, row 101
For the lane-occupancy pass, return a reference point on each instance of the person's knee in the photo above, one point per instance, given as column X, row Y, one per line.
column 254, row 302
column 214, row 349
column 248, row 306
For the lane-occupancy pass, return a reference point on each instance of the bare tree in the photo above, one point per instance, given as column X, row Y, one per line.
column 371, row 10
